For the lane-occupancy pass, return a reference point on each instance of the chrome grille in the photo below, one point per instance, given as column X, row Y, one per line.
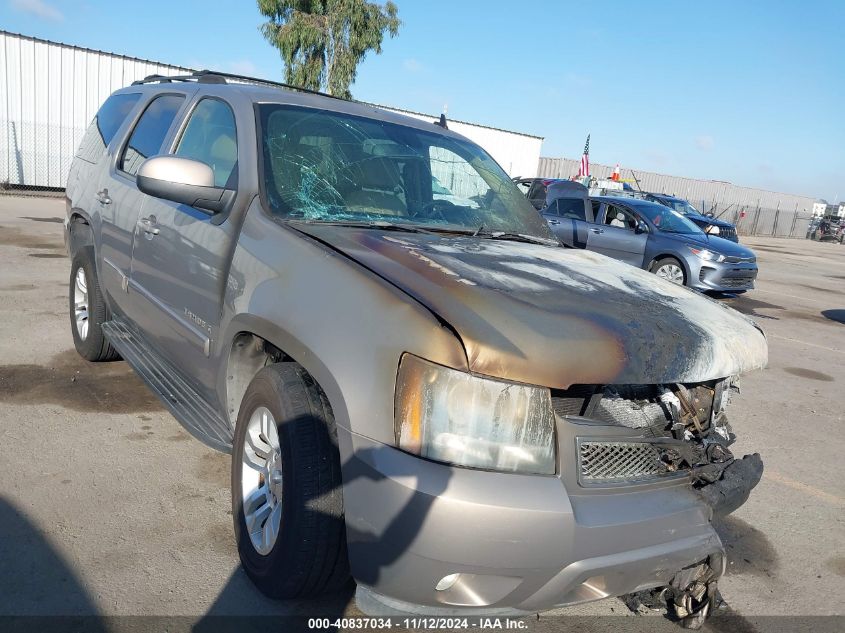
column 740, row 260
column 604, row 462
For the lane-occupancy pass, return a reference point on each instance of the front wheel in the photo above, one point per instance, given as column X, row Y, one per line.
column 670, row 269
column 287, row 501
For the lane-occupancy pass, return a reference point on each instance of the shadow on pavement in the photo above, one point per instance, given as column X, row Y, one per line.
column 241, row 607
column 38, row 589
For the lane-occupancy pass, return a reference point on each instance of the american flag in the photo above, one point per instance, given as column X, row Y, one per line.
column 585, row 160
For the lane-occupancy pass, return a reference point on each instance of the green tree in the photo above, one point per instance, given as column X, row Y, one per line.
column 323, row 41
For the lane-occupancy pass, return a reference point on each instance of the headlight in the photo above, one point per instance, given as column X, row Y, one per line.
column 712, row 229
column 454, row 417
column 710, row 256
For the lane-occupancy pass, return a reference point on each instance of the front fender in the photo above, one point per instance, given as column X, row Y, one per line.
column 345, row 325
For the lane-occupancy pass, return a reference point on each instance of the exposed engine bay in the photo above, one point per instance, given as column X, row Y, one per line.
column 683, row 430
column 697, row 415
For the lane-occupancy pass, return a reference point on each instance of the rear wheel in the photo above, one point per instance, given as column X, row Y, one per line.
column 287, row 501
column 670, row 269
column 88, row 310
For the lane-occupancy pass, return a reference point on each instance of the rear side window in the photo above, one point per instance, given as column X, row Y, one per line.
column 572, row 208
column 211, row 137
column 105, row 125
column 149, row 132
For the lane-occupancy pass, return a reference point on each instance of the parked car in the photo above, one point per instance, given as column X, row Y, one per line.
column 651, row 236
column 827, row 229
column 433, row 398
column 707, row 223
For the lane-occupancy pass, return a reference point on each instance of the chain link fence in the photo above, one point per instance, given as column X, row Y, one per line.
column 35, row 158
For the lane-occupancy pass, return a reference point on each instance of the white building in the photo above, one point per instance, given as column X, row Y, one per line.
column 51, row 91
column 819, row 207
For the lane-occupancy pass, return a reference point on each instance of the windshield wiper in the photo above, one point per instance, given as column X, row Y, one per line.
column 514, row 237
column 433, row 230
column 380, row 225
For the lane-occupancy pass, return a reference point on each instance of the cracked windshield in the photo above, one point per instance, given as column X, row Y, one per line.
column 328, row 167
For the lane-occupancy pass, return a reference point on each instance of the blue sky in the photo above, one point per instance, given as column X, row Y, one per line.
column 751, row 92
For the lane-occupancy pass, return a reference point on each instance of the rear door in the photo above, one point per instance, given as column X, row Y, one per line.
column 179, row 262
column 614, row 234
column 118, row 197
column 567, row 217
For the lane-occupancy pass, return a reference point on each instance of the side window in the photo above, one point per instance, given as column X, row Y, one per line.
column 149, row 132
column 552, row 209
column 620, row 218
column 211, row 137
column 105, row 125
column 572, row 208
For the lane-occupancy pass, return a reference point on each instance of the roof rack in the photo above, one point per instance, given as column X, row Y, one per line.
column 215, row 77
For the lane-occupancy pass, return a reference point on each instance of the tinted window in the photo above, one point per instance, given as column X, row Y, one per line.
column 105, row 125
column 149, row 132
column 572, row 208
column 328, row 166
column 211, row 137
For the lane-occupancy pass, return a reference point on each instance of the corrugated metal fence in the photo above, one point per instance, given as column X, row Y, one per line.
column 754, row 211
column 51, row 93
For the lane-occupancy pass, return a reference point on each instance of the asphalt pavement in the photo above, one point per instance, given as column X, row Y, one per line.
column 107, row 507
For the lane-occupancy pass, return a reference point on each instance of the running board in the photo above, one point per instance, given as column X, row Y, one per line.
column 189, row 408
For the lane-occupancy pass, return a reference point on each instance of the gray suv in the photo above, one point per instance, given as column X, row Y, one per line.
column 420, row 390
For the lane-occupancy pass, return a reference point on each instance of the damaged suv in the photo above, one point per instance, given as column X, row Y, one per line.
column 419, row 390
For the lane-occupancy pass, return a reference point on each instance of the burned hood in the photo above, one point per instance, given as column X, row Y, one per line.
column 555, row 317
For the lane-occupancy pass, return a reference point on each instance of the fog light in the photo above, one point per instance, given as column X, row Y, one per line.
column 446, row 582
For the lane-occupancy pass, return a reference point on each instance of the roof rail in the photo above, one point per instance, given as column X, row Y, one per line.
column 215, row 77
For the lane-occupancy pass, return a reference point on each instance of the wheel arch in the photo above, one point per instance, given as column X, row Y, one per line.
column 670, row 255
column 80, row 231
column 252, row 343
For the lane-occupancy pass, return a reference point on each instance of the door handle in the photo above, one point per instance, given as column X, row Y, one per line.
column 148, row 225
column 103, row 197
column 595, row 230
column 553, row 222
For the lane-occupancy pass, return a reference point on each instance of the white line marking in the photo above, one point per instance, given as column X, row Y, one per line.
column 783, row 294
column 816, row 345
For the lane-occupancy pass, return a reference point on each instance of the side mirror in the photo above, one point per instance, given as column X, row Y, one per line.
column 641, row 228
column 183, row 180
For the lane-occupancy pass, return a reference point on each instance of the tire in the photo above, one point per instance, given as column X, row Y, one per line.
column 307, row 556
column 670, row 267
column 88, row 310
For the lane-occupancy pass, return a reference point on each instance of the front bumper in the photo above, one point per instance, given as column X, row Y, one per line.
column 722, row 277
column 521, row 543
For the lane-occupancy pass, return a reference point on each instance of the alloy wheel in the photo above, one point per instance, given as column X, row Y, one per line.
column 261, row 480
column 80, row 303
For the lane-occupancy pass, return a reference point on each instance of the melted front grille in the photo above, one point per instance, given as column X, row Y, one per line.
column 608, row 462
